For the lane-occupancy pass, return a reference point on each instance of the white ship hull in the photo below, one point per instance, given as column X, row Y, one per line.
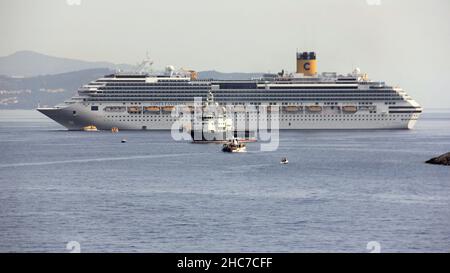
column 77, row 116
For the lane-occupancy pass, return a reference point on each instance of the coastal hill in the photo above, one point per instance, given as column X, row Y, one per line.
column 47, row 90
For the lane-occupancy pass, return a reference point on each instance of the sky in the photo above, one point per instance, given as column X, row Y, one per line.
column 402, row 42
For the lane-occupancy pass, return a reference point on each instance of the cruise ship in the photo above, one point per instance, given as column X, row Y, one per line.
column 303, row 100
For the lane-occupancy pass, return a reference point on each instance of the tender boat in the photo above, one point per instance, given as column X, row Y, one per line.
column 134, row 110
column 284, row 160
column 168, row 108
column 314, row 108
column 152, row 109
column 349, row 109
column 290, row 109
column 90, row 128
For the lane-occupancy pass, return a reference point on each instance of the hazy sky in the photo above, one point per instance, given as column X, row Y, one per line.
column 404, row 42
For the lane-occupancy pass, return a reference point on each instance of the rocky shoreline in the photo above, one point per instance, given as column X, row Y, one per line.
column 440, row 160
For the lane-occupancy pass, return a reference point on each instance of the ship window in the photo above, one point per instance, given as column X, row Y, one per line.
column 94, row 108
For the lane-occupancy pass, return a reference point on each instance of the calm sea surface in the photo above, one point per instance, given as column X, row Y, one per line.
column 340, row 190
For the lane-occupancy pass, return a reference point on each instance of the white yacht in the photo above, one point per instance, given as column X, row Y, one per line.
column 212, row 123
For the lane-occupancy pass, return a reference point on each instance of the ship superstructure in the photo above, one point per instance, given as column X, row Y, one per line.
column 212, row 123
column 305, row 100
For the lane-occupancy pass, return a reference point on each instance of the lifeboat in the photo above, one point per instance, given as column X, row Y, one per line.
column 168, row 108
column 349, row 109
column 134, row 110
column 291, row 108
column 151, row 109
column 90, row 128
column 114, row 130
column 314, row 108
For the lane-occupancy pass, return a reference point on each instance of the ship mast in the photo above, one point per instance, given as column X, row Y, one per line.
column 145, row 66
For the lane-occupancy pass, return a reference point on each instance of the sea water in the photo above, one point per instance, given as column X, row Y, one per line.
column 340, row 190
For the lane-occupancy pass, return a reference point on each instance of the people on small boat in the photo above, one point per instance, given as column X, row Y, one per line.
column 284, row 160
column 234, row 146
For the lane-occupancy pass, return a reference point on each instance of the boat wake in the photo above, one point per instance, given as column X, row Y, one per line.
column 86, row 160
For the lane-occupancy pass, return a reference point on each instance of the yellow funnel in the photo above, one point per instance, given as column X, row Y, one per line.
column 307, row 63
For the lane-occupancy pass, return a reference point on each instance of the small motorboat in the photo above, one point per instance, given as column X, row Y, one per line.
column 124, row 140
column 234, row 146
column 284, row 160
column 90, row 128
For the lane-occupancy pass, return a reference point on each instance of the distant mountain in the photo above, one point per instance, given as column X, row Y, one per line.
column 29, row 63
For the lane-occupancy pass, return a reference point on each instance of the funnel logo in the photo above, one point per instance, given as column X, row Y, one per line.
column 306, row 66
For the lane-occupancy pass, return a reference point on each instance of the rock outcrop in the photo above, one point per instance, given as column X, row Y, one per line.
column 440, row 160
